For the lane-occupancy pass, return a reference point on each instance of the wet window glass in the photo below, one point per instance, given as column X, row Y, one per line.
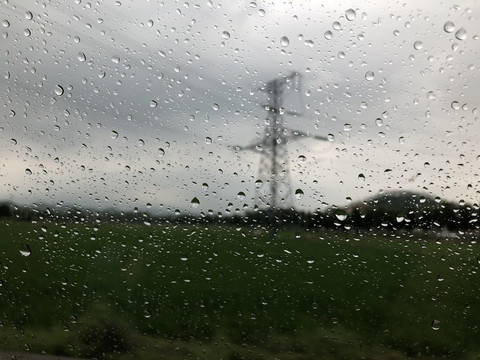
column 239, row 179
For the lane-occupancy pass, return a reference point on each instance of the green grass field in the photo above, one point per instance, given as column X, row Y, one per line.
column 131, row 291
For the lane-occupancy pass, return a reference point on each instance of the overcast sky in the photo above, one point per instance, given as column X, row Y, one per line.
column 129, row 103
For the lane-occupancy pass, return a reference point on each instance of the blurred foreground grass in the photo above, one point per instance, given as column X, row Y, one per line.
column 131, row 291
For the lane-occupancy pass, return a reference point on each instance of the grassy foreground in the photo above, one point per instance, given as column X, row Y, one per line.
column 131, row 291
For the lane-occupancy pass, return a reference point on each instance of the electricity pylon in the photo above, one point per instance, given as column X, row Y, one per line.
column 273, row 184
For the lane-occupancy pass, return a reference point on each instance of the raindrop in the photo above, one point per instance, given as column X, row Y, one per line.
column 150, row 23
column 299, row 194
column 5, row 23
column 141, row 142
column 28, row 15
column 114, row 134
column 241, row 195
column 215, row 107
column 204, row 186
column 26, row 251
column 341, row 214
column 147, row 314
column 28, row 171
column 59, row 90
column 195, row 202
column 336, row 26
column 455, row 105
column 347, row 127
column 226, row 35
column 208, row 140
column 284, row 41
column 369, row 75
column 435, row 325
column 330, row 137
column 81, row 57
column 387, row 172
column 461, row 34
column 401, row 140
column 417, row 45
column 13, row 141
column 261, row 12
column 115, row 59
column 27, row 32
column 302, row 158
column 449, row 27
column 400, row 217
column 361, row 177
column 440, row 278
column 161, row 152
column 184, row 257
column 102, row 74
column 328, row 34
column 379, row 122
column 350, row 14
column 153, row 104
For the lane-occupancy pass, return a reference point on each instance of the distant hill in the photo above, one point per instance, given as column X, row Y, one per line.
column 401, row 200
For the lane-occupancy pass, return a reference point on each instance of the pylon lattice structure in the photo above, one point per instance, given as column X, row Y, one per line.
column 273, row 187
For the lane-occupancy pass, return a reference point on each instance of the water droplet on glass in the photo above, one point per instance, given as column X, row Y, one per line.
column 81, row 57
column 5, row 23
column 299, row 194
column 336, row 25
column 350, row 14
column 379, row 122
column 369, row 75
column 455, row 105
column 59, row 90
column 401, row 140
column 284, row 41
column 13, row 141
column 147, row 314
column 261, row 12
column 435, row 325
column 440, row 277
column 184, row 257
column 161, row 152
column 204, row 186
column 28, row 15
column 141, row 142
column 226, row 35
column 150, row 23
column 361, row 177
column 328, row 34
column 417, row 45
column 27, row 32
column 195, row 202
column 115, row 59
column 331, row 137
column 400, row 218
column 114, row 134
column 215, row 107
column 208, row 140
column 461, row 34
column 302, row 158
column 26, row 251
column 449, row 27
column 241, row 195
column 341, row 214
column 153, row 104
column 28, row 171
